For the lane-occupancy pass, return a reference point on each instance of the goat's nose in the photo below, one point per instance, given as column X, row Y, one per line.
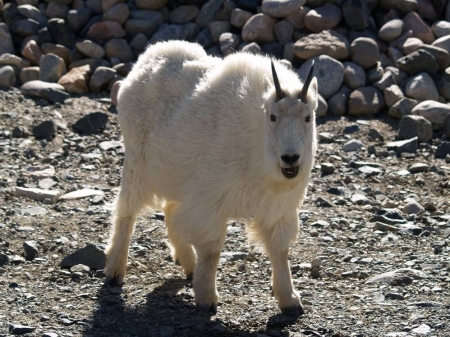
column 290, row 158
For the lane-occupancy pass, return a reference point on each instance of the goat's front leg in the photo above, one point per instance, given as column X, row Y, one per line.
column 276, row 241
column 204, row 283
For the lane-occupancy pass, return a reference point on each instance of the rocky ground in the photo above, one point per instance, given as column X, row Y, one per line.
column 372, row 257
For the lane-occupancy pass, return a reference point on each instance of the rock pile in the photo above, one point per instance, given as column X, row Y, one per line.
column 371, row 55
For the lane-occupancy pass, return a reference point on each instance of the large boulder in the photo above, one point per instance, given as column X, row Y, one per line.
column 329, row 73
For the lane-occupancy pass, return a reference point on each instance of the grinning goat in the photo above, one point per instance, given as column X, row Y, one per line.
column 208, row 140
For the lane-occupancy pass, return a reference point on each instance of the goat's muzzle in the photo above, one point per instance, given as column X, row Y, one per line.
column 290, row 172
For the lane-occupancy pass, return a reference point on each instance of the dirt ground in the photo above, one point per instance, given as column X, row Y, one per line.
column 343, row 297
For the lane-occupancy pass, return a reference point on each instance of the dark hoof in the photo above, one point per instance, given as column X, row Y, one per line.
column 177, row 263
column 293, row 311
column 190, row 276
column 114, row 280
column 208, row 309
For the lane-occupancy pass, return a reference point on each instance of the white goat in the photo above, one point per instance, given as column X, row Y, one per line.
column 207, row 140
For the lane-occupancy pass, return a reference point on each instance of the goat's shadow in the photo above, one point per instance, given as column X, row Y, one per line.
column 165, row 311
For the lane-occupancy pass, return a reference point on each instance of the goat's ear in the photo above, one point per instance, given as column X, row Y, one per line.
column 267, row 83
column 312, row 93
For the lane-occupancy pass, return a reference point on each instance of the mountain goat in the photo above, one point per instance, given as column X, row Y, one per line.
column 208, row 140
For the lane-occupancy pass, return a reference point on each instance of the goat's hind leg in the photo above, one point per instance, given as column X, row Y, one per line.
column 182, row 252
column 127, row 208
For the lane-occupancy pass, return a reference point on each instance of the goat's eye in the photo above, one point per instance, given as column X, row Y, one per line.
column 273, row 118
column 308, row 119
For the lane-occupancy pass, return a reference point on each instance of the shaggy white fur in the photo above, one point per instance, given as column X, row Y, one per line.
column 204, row 139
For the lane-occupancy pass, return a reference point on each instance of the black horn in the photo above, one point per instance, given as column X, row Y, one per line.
column 280, row 93
column 304, row 92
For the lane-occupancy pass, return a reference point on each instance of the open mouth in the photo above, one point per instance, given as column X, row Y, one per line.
column 290, row 172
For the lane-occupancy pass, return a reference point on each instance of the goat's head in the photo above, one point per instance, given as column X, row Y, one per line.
column 290, row 124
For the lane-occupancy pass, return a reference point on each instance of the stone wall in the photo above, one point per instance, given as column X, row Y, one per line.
column 370, row 56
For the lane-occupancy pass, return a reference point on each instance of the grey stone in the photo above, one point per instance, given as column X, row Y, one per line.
column 385, row 81
column 329, row 73
column 6, row 43
column 443, row 42
column 352, row 145
column 323, row 18
column 375, row 73
column 46, row 129
column 207, row 12
column 119, row 13
column 52, row 67
column 322, row 106
column 441, row 28
column 412, row 21
column 327, row 168
column 49, row 91
column 239, row 17
column 217, row 28
column 392, row 95
column 422, row 87
column 78, row 18
column 225, row 10
column 100, row 79
column 167, row 32
column 204, row 38
column 364, row 51
column 434, row 112
column 441, row 56
column 365, row 101
column 281, row 8
column 139, row 42
column 94, row 122
column 403, row 6
column 141, row 26
column 183, row 14
column 398, row 277
column 228, row 43
column 404, row 146
column 413, row 207
column 356, row 14
column 443, row 150
column 419, row 167
column 402, row 108
column 283, row 31
column 56, row 10
column 410, row 45
column 297, row 17
column 354, row 75
column 18, row 329
column 4, row 259
column 415, row 126
column 25, row 27
column 150, row 4
column 7, row 76
column 338, row 104
column 92, row 255
column 30, row 250
column 119, row 49
column 418, row 61
column 390, row 216
column 259, row 29
column 61, row 32
column 90, row 49
column 13, row 60
column 253, row 48
column 32, row 12
column 391, row 30
column 327, row 42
